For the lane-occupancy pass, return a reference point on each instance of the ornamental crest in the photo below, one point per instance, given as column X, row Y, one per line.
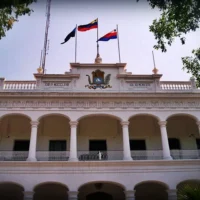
column 98, row 80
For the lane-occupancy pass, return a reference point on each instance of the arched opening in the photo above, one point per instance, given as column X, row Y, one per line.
column 101, row 190
column 53, row 138
column 145, row 138
column 11, row 191
column 183, row 137
column 188, row 189
column 15, row 130
column 50, row 191
column 99, row 133
column 151, row 190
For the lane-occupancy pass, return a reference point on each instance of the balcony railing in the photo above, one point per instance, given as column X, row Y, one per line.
column 185, row 154
column 52, row 155
column 98, row 156
column 164, row 85
column 147, row 155
column 19, row 85
column 175, row 85
column 13, row 155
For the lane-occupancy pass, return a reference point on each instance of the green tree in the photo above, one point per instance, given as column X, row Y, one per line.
column 178, row 17
column 10, row 10
column 189, row 191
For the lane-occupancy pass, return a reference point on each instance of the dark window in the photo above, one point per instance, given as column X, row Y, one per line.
column 99, row 196
column 21, row 145
column 57, row 145
column 198, row 143
column 97, row 145
column 137, row 145
column 174, row 144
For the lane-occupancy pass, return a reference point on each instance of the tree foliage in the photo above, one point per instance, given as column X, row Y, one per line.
column 190, row 191
column 10, row 10
column 178, row 17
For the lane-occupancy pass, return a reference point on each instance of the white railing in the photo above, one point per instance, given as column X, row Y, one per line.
column 175, row 85
column 185, row 154
column 19, row 85
column 13, row 155
column 52, row 155
column 98, row 156
column 147, row 155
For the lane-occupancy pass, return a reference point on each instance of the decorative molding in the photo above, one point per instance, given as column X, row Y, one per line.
column 198, row 123
column 73, row 194
column 28, row 195
column 125, row 123
column 113, row 94
column 73, row 123
column 101, row 103
column 48, row 167
column 130, row 193
column 172, row 194
column 162, row 123
column 34, row 124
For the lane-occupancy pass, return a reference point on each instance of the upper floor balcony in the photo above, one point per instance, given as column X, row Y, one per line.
column 98, row 138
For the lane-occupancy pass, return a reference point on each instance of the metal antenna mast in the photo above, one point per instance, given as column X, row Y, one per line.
column 48, row 7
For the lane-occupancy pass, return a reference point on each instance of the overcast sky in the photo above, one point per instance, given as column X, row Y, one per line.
column 21, row 48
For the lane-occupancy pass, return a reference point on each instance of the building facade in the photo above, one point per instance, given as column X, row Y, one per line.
column 98, row 132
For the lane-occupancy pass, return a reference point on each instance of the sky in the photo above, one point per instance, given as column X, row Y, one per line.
column 20, row 50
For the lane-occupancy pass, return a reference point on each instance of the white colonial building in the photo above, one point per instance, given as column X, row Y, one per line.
column 98, row 132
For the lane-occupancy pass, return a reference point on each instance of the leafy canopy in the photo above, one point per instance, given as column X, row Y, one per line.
column 10, row 10
column 178, row 18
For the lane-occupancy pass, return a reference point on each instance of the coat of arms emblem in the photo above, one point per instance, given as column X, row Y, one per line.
column 98, row 80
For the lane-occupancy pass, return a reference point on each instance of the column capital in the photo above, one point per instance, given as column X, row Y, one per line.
column 172, row 194
column 162, row 123
column 73, row 194
column 28, row 195
column 73, row 123
column 34, row 123
column 198, row 123
column 124, row 123
column 129, row 194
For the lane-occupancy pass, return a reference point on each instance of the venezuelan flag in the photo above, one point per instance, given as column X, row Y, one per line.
column 108, row 36
column 87, row 27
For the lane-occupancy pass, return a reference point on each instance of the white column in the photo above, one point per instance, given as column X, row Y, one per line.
column 73, row 141
column 33, row 141
column 172, row 195
column 28, row 195
column 198, row 124
column 126, row 142
column 165, row 142
column 130, row 194
column 72, row 195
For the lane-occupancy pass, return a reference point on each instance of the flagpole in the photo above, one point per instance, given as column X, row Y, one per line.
column 118, row 44
column 76, row 44
column 97, row 37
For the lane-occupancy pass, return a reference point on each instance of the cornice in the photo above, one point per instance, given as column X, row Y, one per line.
column 140, row 76
column 96, row 65
column 41, row 94
column 68, row 75
column 98, row 167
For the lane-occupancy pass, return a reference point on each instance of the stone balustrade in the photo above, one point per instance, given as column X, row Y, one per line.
column 172, row 86
column 98, row 156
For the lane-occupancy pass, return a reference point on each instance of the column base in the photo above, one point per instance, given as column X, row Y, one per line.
column 73, row 159
column 167, row 158
column 31, row 159
column 127, row 158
